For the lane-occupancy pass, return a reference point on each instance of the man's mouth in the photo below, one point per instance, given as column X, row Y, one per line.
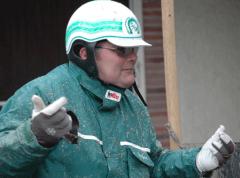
column 128, row 69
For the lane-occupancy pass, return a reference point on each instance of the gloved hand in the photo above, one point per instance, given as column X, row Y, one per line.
column 215, row 152
column 50, row 123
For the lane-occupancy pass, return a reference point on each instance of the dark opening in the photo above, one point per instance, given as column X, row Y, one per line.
column 32, row 39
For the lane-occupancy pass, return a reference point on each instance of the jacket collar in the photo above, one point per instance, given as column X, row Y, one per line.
column 109, row 95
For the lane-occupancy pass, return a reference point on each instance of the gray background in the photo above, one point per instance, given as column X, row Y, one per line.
column 208, row 67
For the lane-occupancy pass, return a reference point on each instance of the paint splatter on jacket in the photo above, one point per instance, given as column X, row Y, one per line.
column 118, row 140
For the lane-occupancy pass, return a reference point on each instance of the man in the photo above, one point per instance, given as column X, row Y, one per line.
column 90, row 100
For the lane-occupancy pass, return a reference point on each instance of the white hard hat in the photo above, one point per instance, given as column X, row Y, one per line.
column 109, row 20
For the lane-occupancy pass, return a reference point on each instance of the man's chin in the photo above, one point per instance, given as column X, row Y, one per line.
column 129, row 84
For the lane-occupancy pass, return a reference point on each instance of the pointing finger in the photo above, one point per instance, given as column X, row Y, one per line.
column 55, row 106
column 220, row 130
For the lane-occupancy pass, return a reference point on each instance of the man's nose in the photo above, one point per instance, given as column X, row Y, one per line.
column 132, row 56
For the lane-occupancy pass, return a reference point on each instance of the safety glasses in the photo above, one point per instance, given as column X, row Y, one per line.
column 120, row 51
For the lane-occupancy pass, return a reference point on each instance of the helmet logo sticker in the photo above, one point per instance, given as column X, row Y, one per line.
column 132, row 26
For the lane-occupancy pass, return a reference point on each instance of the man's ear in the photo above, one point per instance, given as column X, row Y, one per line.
column 83, row 53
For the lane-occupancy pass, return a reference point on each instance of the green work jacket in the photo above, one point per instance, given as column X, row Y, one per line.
column 116, row 138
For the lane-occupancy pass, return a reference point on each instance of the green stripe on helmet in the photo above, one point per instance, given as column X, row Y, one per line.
column 93, row 27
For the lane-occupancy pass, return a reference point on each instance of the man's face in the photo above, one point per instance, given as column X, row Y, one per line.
column 115, row 66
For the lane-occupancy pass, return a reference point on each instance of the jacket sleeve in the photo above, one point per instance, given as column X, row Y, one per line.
column 173, row 163
column 20, row 152
column 177, row 163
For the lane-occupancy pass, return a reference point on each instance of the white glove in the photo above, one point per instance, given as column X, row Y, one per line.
column 215, row 152
column 50, row 123
column 40, row 107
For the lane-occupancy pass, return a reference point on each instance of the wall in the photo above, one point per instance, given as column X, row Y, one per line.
column 207, row 52
column 154, row 68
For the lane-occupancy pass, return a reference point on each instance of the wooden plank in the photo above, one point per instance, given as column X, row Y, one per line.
column 169, row 49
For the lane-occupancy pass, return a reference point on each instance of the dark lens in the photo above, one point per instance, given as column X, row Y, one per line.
column 126, row 51
column 121, row 51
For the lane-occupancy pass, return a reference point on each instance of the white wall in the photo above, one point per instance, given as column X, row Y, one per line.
column 208, row 64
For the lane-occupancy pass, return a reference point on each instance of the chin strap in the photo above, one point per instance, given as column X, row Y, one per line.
column 138, row 93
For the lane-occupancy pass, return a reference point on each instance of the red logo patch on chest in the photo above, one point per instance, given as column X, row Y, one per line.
column 112, row 95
